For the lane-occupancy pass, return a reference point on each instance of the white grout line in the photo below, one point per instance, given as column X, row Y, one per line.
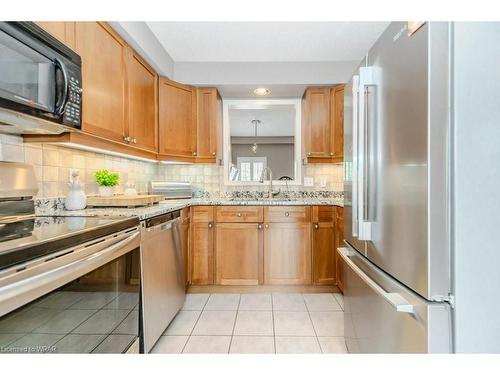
column 234, row 324
column 194, row 326
column 314, row 328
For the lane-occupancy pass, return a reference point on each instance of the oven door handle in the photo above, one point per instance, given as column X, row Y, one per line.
column 26, row 290
column 60, row 106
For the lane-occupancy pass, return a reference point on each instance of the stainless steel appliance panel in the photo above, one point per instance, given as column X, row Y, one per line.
column 383, row 316
column 163, row 289
column 80, row 300
column 351, row 130
column 396, row 155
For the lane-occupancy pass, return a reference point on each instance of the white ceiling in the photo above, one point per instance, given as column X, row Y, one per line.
column 266, row 41
column 246, row 91
column 275, row 122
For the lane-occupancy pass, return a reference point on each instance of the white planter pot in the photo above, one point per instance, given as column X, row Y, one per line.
column 106, row 191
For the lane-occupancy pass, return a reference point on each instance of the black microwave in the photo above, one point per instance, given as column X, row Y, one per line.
column 39, row 75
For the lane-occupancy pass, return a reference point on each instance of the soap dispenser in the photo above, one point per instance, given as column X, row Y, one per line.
column 76, row 198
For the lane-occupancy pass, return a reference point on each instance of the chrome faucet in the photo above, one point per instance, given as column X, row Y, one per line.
column 271, row 193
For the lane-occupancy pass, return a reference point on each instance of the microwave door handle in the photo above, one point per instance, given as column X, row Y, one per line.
column 60, row 106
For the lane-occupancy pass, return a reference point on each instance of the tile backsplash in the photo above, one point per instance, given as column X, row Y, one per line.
column 52, row 165
column 210, row 178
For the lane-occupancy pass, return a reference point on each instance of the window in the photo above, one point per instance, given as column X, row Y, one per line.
column 251, row 167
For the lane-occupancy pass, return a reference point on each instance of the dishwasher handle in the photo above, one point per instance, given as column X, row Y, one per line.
column 160, row 219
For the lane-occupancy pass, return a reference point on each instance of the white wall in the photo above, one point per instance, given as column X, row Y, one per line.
column 476, row 187
column 142, row 39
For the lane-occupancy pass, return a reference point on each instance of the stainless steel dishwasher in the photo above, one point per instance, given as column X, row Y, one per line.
column 162, row 263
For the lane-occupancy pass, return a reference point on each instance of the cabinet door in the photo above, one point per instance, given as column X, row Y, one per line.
column 323, row 247
column 339, row 240
column 103, row 69
column 209, row 124
column 64, row 31
column 287, row 253
column 318, row 130
column 177, row 119
column 337, row 119
column 142, row 103
column 202, row 253
column 238, row 249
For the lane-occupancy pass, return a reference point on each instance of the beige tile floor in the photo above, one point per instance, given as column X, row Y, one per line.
column 257, row 323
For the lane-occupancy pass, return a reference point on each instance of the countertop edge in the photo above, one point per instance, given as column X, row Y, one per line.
column 164, row 207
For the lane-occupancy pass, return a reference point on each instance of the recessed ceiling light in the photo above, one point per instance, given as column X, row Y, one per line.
column 262, row 91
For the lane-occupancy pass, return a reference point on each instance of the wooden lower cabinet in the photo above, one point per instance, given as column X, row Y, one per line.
column 323, row 244
column 202, row 253
column 238, row 249
column 287, row 254
column 231, row 249
column 339, row 239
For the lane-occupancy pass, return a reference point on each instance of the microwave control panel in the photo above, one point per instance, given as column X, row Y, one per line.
column 73, row 111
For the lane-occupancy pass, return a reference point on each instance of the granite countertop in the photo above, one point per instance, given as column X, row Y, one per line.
column 173, row 205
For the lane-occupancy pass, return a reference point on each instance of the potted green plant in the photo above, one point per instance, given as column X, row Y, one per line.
column 107, row 181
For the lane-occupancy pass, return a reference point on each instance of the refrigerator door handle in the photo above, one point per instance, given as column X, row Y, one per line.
column 366, row 78
column 395, row 299
column 355, row 99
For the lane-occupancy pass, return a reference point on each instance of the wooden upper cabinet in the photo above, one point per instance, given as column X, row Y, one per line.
column 337, row 119
column 177, row 120
column 323, row 124
column 317, row 132
column 238, row 254
column 209, row 147
column 103, row 55
column 64, row 31
column 287, row 253
column 142, row 103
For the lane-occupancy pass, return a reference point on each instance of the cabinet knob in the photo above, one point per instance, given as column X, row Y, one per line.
column 194, row 153
column 331, row 153
column 213, row 153
column 287, row 214
column 238, row 214
column 134, row 140
column 259, row 226
column 308, row 154
column 316, row 226
column 266, row 226
column 210, row 225
column 127, row 139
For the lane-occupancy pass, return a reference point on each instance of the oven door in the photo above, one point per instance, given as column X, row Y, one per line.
column 84, row 299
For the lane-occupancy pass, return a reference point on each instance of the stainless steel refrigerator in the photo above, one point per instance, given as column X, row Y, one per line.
column 397, row 197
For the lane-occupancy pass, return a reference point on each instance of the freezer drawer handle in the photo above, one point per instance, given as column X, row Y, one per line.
column 395, row 299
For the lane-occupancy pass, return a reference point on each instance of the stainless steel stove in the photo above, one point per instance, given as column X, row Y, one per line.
column 67, row 284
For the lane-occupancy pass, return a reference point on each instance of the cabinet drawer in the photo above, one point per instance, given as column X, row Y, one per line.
column 322, row 214
column 287, row 214
column 239, row 214
column 202, row 214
